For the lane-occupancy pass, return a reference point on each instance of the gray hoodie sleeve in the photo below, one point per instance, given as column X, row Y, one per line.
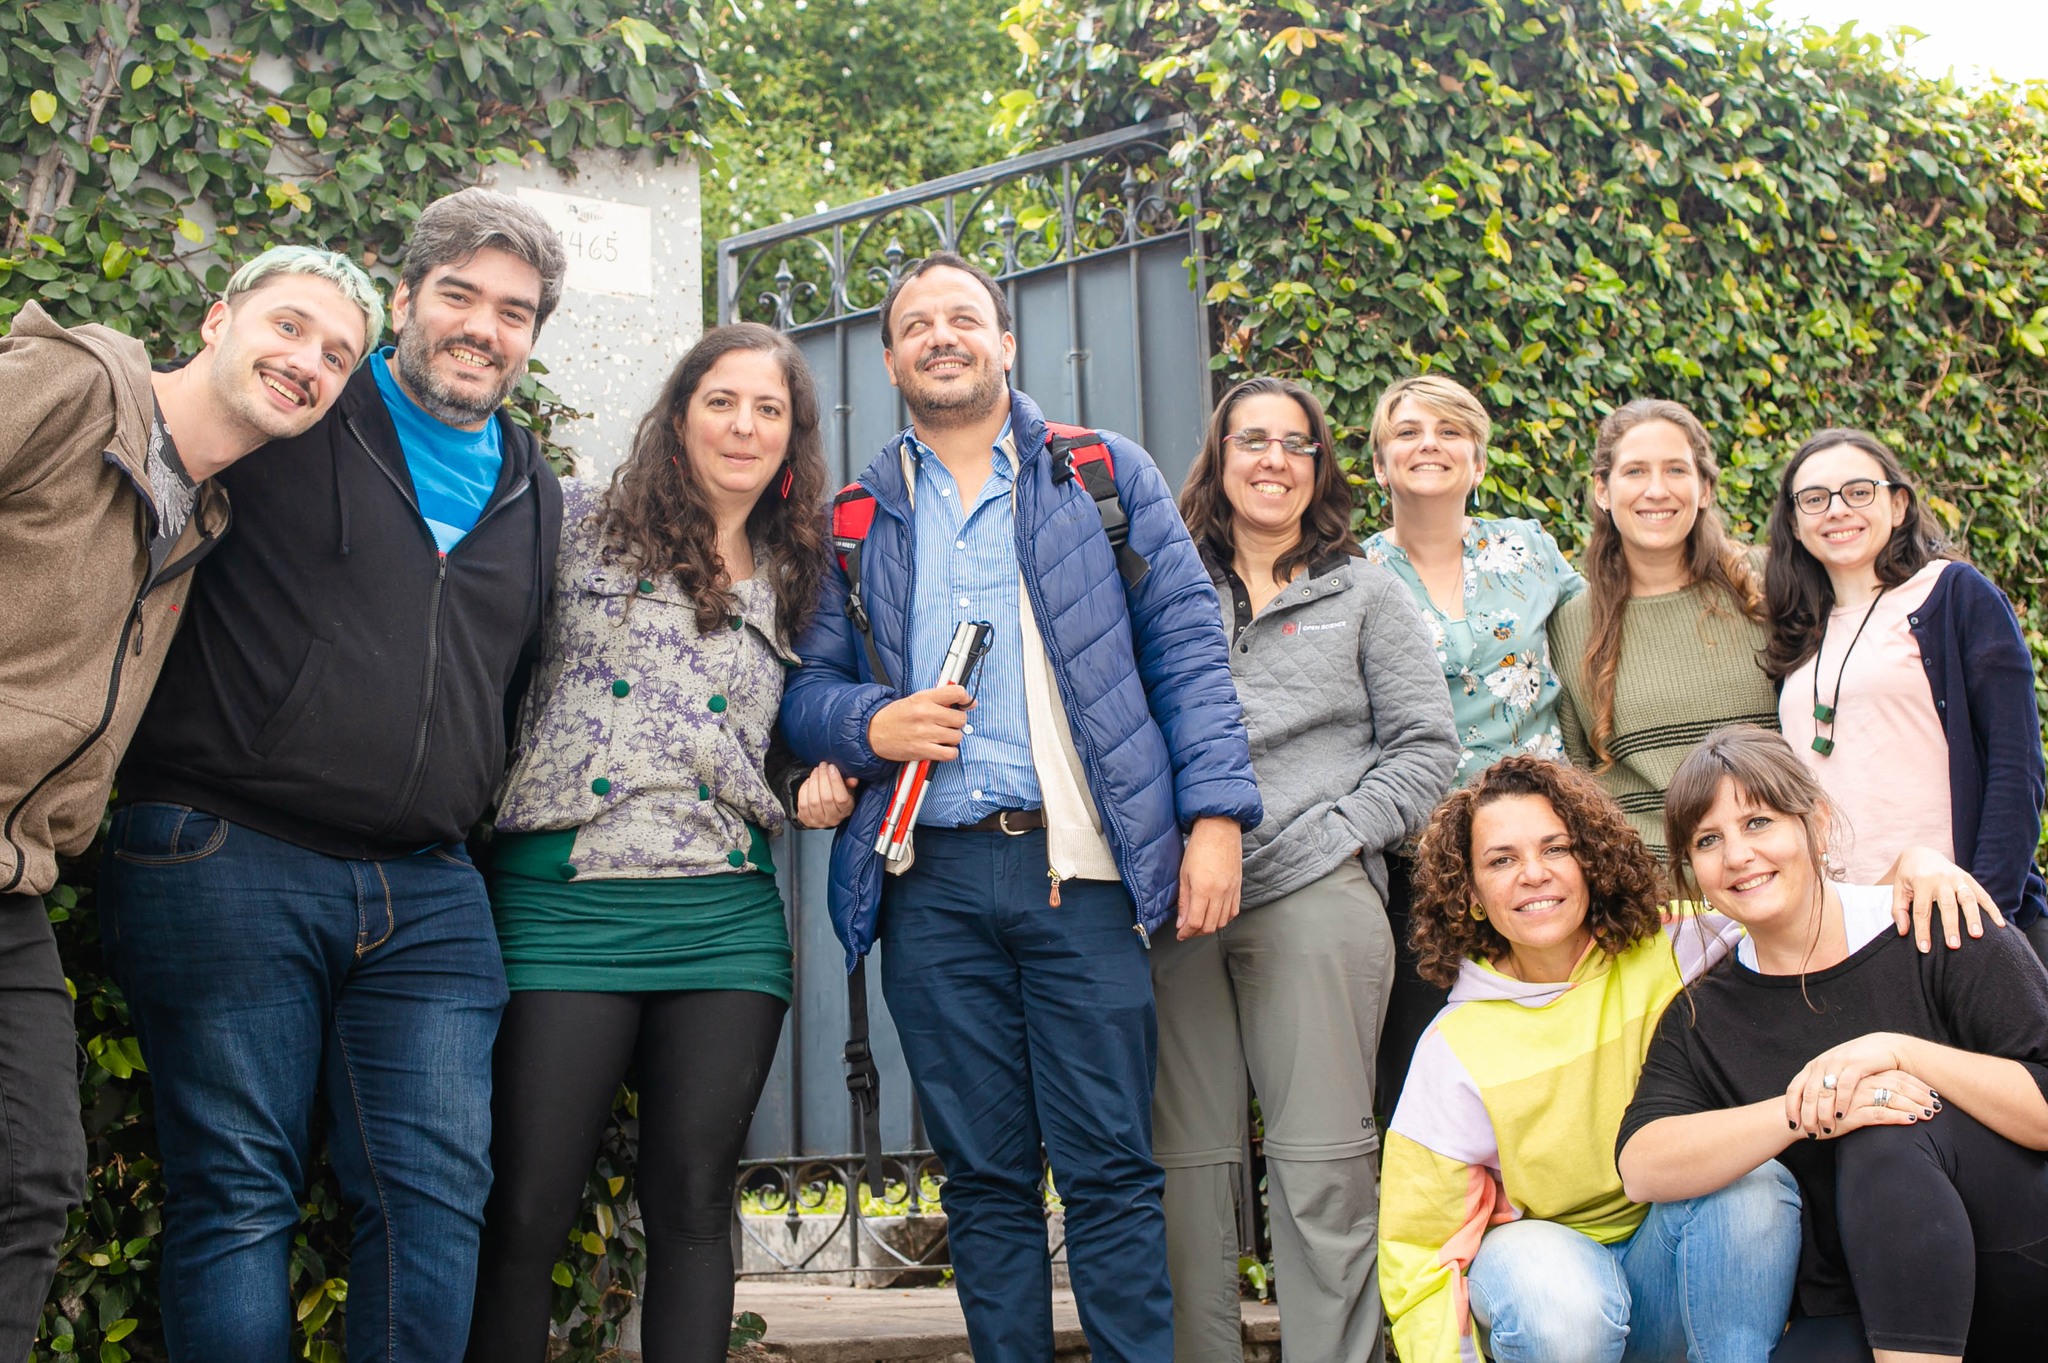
column 1411, row 715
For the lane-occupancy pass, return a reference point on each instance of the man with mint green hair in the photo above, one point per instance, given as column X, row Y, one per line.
column 106, row 503
column 301, row 930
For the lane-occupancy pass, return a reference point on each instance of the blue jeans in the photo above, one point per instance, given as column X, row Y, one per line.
column 259, row 973
column 1025, row 1024
column 1708, row 1280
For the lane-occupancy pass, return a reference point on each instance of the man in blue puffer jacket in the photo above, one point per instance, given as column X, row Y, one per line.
column 1095, row 785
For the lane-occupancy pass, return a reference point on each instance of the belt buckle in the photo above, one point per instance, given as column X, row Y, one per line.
column 1003, row 823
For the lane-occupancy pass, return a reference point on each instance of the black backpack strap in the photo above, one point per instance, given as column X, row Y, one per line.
column 864, row 1078
column 853, row 514
column 1084, row 454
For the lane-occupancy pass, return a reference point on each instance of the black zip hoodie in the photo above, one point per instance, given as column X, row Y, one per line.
column 338, row 682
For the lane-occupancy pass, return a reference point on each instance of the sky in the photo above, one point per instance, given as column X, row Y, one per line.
column 2006, row 37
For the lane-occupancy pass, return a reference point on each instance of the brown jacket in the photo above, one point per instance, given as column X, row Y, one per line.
column 84, row 622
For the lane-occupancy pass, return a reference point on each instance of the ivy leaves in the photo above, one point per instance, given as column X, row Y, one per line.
column 1567, row 205
column 324, row 120
column 143, row 151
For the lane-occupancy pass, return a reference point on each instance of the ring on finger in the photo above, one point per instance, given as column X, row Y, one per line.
column 1882, row 1097
column 1827, row 1081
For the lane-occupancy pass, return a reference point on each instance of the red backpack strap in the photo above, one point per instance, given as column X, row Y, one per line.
column 853, row 515
column 1079, row 452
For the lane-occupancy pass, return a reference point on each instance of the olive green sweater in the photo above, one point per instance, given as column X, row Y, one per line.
column 1685, row 672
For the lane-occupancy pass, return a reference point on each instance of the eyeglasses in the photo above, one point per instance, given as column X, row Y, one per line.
column 1857, row 492
column 1254, row 441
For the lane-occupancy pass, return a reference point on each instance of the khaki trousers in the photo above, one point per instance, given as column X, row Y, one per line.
column 1293, row 992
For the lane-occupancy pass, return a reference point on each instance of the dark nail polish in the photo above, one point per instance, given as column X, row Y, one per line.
column 1793, row 1125
column 1937, row 1097
column 1840, row 1116
column 1827, row 1131
column 1927, row 1112
column 1810, row 1136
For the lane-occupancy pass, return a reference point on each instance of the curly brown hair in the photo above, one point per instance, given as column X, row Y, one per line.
column 1623, row 881
column 657, row 521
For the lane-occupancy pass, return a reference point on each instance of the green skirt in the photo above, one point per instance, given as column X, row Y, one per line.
column 720, row 931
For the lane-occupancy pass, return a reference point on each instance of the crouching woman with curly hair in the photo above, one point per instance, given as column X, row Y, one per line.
column 1503, row 1225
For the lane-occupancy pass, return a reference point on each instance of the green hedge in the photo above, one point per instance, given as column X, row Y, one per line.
column 143, row 145
column 1570, row 203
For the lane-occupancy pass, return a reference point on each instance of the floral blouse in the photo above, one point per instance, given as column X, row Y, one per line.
column 1496, row 660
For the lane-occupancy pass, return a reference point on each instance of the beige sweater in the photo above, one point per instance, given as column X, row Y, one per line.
column 86, row 624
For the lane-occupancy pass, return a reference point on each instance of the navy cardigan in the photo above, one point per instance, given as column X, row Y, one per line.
column 1983, row 683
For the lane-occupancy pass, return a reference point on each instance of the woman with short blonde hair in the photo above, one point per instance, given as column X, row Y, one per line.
column 1486, row 587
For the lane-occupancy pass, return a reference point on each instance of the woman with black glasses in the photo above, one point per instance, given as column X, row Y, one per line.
column 1352, row 744
column 1905, row 683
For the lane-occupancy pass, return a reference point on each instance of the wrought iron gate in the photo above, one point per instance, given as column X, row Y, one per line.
column 1097, row 245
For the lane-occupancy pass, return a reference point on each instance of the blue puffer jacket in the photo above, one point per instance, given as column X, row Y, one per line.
column 1144, row 672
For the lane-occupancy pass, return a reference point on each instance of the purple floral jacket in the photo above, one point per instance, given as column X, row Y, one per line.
column 644, row 735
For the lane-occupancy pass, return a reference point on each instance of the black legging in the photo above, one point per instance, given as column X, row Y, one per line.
column 700, row 1058
column 1413, row 1002
column 1945, row 1227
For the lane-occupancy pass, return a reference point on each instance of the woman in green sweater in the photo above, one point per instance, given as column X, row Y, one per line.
column 1662, row 647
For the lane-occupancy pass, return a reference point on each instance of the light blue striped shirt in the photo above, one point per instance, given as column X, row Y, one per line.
column 966, row 569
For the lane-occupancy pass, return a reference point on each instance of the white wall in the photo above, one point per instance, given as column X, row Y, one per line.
column 633, row 301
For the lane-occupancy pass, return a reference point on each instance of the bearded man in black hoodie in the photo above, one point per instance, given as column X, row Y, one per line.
column 287, row 901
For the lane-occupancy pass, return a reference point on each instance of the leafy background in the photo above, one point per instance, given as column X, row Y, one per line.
column 1570, row 203
column 143, row 144
column 1564, row 204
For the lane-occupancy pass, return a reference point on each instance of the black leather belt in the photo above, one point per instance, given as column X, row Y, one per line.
column 1015, row 822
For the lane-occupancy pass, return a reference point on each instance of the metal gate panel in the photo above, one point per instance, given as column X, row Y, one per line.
column 1097, row 247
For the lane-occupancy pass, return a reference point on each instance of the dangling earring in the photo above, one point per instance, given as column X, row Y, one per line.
column 1478, row 914
column 788, row 478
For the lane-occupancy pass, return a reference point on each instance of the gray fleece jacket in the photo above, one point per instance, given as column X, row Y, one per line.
column 1351, row 733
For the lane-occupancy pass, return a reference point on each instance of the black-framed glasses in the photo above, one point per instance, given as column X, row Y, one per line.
column 1254, row 441
column 1857, row 492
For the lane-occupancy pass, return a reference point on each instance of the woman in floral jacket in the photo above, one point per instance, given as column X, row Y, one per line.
column 1486, row 588
column 637, row 909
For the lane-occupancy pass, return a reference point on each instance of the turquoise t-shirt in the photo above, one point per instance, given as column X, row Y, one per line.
column 453, row 471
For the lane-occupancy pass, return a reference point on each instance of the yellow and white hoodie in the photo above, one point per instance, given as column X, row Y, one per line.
column 1511, row 1110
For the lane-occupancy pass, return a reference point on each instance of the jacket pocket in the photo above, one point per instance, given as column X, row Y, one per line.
column 155, row 834
column 311, row 671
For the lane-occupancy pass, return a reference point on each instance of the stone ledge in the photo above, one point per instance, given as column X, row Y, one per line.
column 808, row 1324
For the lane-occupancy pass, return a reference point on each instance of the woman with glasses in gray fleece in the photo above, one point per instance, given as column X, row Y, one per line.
column 1353, row 745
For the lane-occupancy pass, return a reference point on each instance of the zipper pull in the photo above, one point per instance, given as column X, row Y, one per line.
column 1053, row 900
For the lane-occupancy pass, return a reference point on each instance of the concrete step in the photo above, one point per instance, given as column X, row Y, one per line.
column 920, row 1325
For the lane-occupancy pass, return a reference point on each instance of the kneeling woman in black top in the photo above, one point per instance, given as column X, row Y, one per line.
column 1908, row 1094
